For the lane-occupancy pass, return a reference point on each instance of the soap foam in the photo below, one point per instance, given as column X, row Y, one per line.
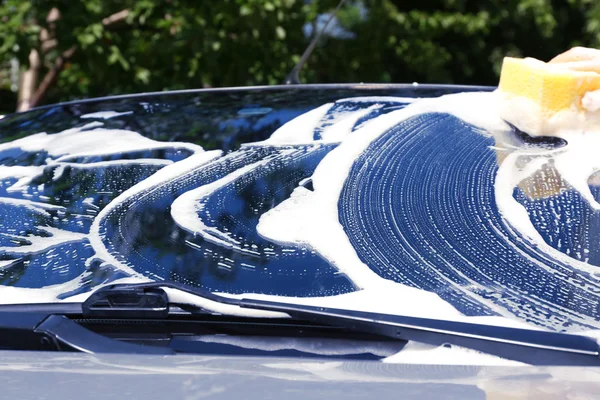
column 576, row 163
column 186, row 207
column 105, row 114
column 418, row 353
column 89, row 140
column 38, row 244
column 137, row 191
column 310, row 218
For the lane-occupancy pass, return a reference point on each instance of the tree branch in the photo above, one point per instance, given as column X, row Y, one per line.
column 116, row 17
column 29, row 81
column 52, row 75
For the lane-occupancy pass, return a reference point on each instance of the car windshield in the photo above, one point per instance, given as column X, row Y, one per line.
column 382, row 198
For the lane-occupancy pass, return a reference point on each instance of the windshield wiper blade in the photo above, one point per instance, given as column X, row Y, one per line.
column 53, row 330
column 525, row 345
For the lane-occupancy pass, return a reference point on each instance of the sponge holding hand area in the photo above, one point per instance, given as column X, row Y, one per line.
column 545, row 99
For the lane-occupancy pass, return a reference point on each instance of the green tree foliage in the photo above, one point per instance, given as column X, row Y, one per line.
column 103, row 47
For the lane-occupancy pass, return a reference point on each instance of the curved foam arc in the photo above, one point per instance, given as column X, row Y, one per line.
column 343, row 127
column 508, row 177
column 39, row 244
column 32, row 205
column 85, row 141
column 105, row 114
column 306, row 218
column 299, row 130
column 575, row 162
column 68, row 144
column 185, row 208
column 136, row 192
column 311, row 218
column 578, row 161
column 97, row 164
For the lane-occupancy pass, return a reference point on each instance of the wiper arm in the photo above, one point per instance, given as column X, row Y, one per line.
column 53, row 330
column 529, row 346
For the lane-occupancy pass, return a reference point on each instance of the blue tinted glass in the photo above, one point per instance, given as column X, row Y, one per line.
column 183, row 187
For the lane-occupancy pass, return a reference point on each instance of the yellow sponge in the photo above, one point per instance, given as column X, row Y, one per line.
column 541, row 99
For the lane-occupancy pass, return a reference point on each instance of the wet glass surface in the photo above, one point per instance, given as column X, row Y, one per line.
column 173, row 187
column 49, row 199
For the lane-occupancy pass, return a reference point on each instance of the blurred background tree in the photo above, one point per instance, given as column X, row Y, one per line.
column 57, row 50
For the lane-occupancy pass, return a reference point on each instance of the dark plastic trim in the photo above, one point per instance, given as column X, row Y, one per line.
column 525, row 345
column 69, row 334
column 291, row 87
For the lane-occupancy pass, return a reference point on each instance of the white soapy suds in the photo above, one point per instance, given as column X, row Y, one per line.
column 100, row 164
column 310, row 218
column 528, row 116
column 31, row 205
column 7, row 172
column 576, row 163
column 179, row 297
column 40, row 243
column 300, row 130
column 82, row 142
column 160, row 177
column 323, row 346
column 5, row 263
column 506, row 180
column 102, row 141
column 185, row 208
column 591, row 101
column 377, row 99
column 23, row 174
column 342, row 127
column 106, row 114
column 418, row 353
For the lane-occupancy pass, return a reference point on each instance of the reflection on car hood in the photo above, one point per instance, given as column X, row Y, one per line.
column 105, row 376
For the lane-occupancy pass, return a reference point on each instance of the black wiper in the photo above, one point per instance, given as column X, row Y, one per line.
column 529, row 346
column 59, row 326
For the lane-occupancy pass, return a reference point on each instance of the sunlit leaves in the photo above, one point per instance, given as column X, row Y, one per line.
column 166, row 44
column 116, row 56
